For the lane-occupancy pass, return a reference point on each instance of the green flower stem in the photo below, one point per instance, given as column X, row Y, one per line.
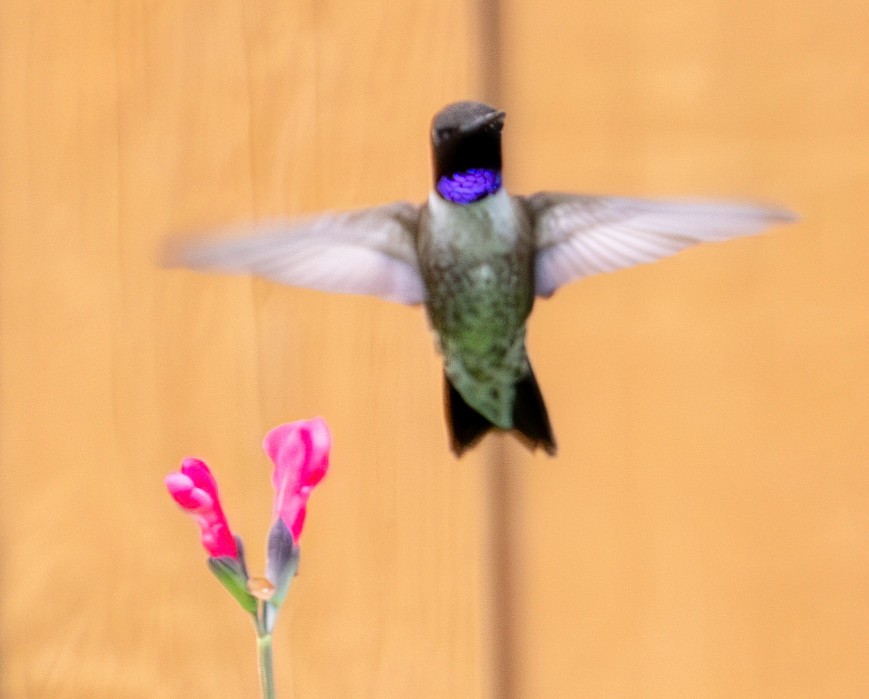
column 264, row 649
column 266, row 670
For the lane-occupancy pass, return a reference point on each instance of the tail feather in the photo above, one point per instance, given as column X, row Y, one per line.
column 467, row 426
column 530, row 419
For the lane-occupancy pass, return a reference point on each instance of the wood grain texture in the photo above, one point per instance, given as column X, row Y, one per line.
column 703, row 531
column 123, row 123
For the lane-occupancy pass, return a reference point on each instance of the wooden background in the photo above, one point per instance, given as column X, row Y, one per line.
column 703, row 531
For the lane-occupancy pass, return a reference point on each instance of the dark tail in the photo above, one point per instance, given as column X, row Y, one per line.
column 530, row 419
column 466, row 425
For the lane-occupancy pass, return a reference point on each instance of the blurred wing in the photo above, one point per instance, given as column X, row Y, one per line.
column 369, row 251
column 577, row 236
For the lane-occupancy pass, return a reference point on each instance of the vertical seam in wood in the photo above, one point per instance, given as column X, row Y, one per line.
column 500, row 508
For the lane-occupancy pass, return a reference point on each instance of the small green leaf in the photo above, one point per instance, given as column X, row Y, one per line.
column 230, row 572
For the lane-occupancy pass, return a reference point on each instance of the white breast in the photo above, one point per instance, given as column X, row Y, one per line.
column 484, row 227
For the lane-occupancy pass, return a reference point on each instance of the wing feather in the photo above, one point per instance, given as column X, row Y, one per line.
column 369, row 251
column 577, row 236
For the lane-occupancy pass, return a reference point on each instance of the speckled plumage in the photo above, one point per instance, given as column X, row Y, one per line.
column 477, row 261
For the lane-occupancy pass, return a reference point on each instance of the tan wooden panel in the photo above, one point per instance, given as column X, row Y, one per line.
column 703, row 531
column 121, row 123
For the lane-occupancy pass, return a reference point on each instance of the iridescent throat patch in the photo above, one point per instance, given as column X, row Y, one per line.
column 469, row 186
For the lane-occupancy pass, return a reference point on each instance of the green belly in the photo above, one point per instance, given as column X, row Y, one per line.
column 481, row 330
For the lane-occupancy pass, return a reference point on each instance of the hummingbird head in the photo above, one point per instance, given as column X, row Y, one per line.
column 466, row 151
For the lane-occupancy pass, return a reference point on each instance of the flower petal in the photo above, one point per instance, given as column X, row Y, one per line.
column 300, row 452
column 199, row 473
column 195, row 490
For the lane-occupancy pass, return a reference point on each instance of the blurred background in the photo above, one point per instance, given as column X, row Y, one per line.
column 703, row 529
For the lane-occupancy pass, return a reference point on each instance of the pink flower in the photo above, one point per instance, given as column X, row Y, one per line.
column 300, row 452
column 195, row 489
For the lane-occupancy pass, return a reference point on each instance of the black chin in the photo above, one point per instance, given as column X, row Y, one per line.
column 460, row 153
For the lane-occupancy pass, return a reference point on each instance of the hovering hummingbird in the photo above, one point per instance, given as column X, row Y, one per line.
column 477, row 257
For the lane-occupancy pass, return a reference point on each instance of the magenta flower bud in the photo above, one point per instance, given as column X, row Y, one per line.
column 300, row 452
column 194, row 488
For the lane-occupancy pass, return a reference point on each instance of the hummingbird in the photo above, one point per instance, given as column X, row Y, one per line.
column 477, row 257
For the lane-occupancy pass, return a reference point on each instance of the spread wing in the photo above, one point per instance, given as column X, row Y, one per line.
column 369, row 251
column 577, row 236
